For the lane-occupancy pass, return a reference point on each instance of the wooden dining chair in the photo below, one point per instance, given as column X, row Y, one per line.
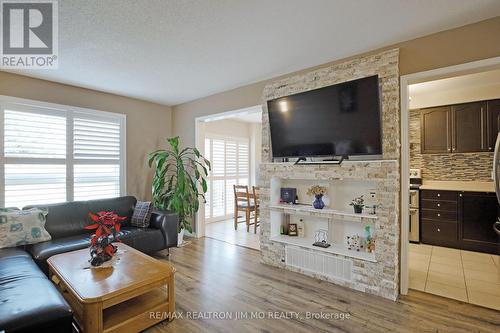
column 242, row 203
column 256, row 212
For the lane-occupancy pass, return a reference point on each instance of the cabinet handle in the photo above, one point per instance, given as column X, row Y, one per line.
column 439, row 230
column 439, row 214
column 439, row 205
column 439, row 195
column 460, row 194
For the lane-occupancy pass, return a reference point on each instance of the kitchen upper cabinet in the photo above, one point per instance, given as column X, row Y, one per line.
column 436, row 130
column 468, row 127
column 477, row 213
column 493, row 119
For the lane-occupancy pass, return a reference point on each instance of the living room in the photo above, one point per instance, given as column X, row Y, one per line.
column 104, row 170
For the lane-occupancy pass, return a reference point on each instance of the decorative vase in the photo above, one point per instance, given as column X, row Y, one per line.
column 318, row 202
column 358, row 209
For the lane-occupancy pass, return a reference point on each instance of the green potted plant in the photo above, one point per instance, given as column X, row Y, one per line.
column 358, row 203
column 179, row 181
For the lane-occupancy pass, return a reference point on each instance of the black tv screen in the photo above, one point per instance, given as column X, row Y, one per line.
column 342, row 119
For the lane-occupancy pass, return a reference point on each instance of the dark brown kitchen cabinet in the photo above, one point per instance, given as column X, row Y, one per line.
column 468, row 127
column 477, row 213
column 493, row 122
column 462, row 220
column 435, row 131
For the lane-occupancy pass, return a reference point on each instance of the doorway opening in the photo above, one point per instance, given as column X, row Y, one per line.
column 450, row 117
column 232, row 142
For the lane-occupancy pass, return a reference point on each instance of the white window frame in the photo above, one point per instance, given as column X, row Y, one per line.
column 34, row 106
column 213, row 136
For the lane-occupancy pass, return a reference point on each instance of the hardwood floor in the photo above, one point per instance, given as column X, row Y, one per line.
column 215, row 276
column 224, row 231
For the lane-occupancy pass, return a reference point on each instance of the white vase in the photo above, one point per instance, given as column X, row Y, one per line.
column 180, row 237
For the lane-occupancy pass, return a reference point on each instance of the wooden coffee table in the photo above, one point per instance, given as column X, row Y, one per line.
column 134, row 294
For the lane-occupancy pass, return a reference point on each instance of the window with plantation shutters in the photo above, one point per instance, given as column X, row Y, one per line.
column 230, row 166
column 53, row 153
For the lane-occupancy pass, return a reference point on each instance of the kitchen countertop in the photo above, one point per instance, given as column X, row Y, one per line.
column 468, row 186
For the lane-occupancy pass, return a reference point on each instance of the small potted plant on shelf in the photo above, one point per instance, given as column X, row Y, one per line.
column 318, row 192
column 358, row 203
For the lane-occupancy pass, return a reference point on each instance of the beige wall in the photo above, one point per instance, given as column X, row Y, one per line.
column 228, row 127
column 469, row 43
column 148, row 124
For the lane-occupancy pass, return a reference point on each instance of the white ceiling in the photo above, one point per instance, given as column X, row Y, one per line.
column 176, row 51
column 468, row 81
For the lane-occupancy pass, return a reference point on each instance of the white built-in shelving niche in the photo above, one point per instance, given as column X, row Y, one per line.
column 337, row 217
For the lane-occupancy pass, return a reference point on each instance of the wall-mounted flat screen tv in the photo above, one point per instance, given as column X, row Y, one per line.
column 338, row 120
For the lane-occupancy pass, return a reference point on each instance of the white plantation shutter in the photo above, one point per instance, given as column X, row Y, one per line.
column 243, row 163
column 96, row 153
column 52, row 153
column 230, row 166
column 34, row 135
column 32, row 184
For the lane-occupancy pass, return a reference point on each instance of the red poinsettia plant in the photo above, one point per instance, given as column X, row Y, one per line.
column 106, row 224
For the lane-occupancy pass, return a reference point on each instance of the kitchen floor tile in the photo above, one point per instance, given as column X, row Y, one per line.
column 419, row 265
column 482, row 276
column 476, row 257
column 484, row 299
column 480, row 266
column 445, row 252
column 456, row 270
column 452, row 261
column 452, row 280
column 419, row 256
column 446, row 290
column 420, row 248
column 483, row 286
column 496, row 260
column 416, row 284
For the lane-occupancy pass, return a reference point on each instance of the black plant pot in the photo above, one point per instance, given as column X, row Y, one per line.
column 358, row 209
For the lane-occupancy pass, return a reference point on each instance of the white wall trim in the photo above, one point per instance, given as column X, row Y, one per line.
column 405, row 82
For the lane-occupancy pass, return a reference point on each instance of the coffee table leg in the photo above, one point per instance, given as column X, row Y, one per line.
column 171, row 297
column 92, row 318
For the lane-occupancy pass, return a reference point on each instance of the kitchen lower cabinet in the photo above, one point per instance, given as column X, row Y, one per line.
column 477, row 213
column 461, row 220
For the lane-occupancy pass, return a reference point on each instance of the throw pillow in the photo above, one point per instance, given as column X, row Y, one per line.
column 21, row 227
column 142, row 214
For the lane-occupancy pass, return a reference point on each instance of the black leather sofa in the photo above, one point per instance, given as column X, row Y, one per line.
column 28, row 300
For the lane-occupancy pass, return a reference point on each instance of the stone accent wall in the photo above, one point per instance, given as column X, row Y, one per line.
column 385, row 64
column 465, row 166
column 380, row 278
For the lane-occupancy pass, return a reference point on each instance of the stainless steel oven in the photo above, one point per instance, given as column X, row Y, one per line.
column 414, row 216
column 414, row 227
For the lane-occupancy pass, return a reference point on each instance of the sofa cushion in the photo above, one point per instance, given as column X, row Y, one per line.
column 21, row 227
column 142, row 214
column 69, row 218
column 43, row 251
column 29, row 302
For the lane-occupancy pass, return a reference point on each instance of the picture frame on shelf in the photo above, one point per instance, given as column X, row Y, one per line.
column 292, row 229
